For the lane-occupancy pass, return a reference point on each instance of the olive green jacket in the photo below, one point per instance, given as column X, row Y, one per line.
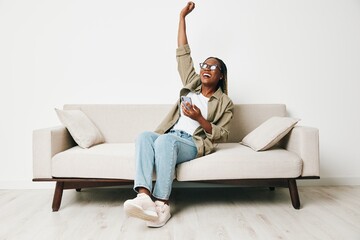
column 220, row 107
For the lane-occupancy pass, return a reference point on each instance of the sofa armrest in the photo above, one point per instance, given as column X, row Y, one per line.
column 46, row 143
column 304, row 141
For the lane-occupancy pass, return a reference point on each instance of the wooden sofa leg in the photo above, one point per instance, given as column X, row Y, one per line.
column 294, row 194
column 57, row 196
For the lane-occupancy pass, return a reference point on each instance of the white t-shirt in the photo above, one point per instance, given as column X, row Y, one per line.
column 187, row 124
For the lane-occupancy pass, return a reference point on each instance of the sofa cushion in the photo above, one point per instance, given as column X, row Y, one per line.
column 115, row 160
column 81, row 128
column 269, row 133
column 230, row 161
column 120, row 123
column 236, row 161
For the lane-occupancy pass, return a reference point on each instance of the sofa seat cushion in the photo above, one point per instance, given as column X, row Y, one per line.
column 108, row 160
column 236, row 161
column 230, row 161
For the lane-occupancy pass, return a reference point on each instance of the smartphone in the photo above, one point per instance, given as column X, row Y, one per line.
column 185, row 100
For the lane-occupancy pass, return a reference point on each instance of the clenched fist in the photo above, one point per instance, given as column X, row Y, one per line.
column 187, row 9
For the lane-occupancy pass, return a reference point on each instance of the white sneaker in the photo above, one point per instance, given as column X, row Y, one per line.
column 163, row 211
column 141, row 207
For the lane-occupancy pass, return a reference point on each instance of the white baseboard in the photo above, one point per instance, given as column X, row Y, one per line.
column 24, row 184
column 354, row 181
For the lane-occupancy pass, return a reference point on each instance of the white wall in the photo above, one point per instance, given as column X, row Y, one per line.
column 305, row 54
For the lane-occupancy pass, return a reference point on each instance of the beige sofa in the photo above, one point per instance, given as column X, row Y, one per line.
column 56, row 157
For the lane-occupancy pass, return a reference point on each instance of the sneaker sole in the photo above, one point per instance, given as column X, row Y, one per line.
column 137, row 212
column 153, row 225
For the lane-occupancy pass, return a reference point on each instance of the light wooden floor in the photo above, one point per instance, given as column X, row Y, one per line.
column 232, row 213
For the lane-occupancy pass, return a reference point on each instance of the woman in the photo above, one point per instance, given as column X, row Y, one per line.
column 188, row 131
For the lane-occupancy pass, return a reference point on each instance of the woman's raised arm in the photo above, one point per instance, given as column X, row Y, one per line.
column 182, row 38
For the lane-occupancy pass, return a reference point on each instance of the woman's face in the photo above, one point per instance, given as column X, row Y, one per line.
column 211, row 77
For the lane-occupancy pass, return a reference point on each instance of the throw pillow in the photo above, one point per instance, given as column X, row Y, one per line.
column 269, row 133
column 83, row 131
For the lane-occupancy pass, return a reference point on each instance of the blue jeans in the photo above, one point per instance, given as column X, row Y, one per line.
column 162, row 152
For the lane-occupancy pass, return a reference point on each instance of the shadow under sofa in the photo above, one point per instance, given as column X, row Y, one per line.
column 56, row 156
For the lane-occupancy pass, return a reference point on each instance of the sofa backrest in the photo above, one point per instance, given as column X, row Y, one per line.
column 122, row 122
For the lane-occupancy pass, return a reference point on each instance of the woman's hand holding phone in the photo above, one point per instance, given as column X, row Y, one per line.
column 190, row 110
column 186, row 101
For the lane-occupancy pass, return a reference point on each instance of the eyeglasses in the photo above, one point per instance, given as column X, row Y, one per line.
column 209, row 67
